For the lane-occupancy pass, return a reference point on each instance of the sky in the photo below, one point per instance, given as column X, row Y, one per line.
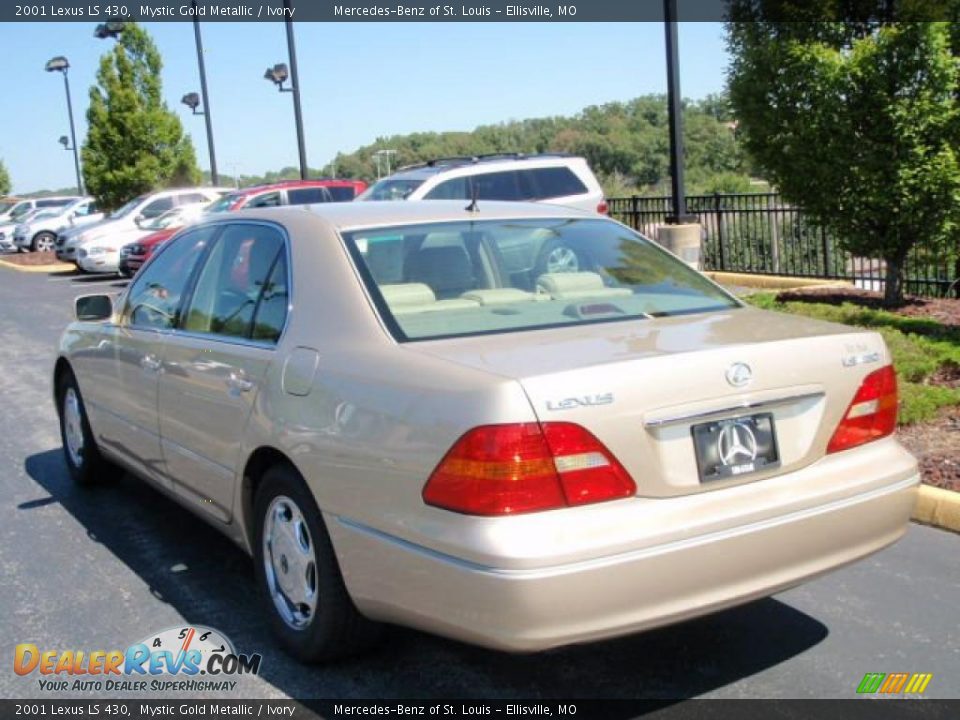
column 359, row 81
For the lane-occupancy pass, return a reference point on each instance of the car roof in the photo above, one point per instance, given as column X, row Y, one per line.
column 351, row 215
column 497, row 160
column 320, row 182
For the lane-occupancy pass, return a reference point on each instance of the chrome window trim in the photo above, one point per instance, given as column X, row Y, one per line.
column 738, row 408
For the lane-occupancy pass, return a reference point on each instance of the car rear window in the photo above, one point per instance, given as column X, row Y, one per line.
column 554, row 182
column 494, row 276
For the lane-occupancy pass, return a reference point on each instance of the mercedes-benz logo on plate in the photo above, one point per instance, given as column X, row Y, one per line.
column 736, row 444
column 739, row 374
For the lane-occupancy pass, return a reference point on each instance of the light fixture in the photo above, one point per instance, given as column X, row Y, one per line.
column 278, row 75
column 58, row 63
column 192, row 101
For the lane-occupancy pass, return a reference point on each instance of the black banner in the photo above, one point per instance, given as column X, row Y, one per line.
column 861, row 709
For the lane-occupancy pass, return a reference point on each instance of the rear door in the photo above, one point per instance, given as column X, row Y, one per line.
column 215, row 361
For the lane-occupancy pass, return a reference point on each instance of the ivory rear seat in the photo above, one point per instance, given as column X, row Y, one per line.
column 405, row 298
column 573, row 285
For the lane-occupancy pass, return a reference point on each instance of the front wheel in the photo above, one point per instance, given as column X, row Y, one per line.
column 43, row 242
column 84, row 461
column 298, row 576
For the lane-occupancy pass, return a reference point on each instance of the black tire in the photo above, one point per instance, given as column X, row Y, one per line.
column 335, row 629
column 43, row 241
column 557, row 256
column 86, row 465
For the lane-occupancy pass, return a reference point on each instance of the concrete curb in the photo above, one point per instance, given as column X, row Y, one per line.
column 938, row 507
column 36, row 268
column 772, row 282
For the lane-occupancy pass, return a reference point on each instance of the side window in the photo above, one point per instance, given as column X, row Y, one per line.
column 271, row 311
column 304, row 196
column 342, row 194
column 270, row 199
column 157, row 207
column 154, row 297
column 455, row 189
column 237, row 282
column 192, row 198
column 555, row 182
column 497, row 186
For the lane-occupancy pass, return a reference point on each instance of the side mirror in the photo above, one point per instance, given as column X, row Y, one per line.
column 139, row 219
column 93, row 307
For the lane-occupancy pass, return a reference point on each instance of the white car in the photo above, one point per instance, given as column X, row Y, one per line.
column 555, row 179
column 14, row 212
column 135, row 212
column 102, row 253
column 39, row 232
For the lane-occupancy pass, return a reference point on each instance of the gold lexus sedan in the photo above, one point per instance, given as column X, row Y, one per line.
column 408, row 414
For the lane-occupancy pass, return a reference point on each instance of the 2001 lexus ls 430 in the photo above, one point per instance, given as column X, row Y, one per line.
column 517, row 425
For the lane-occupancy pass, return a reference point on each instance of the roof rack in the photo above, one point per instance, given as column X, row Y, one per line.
column 458, row 160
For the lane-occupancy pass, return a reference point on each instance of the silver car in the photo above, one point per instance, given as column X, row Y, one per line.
column 403, row 421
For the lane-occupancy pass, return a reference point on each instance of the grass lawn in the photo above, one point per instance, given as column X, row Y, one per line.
column 923, row 350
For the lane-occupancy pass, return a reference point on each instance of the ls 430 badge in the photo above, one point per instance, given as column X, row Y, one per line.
column 580, row 401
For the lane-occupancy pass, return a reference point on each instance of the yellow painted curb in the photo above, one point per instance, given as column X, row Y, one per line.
column 938, row 507
column 37, row 268
column 773, row 282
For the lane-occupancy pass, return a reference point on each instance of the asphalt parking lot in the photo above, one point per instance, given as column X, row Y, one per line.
column 102, row 568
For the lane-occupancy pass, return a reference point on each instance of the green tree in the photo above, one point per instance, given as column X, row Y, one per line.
column 4, row 179
column 856, row 120
column 134, row 144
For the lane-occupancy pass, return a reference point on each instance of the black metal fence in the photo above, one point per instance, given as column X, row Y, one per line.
column 760, row 233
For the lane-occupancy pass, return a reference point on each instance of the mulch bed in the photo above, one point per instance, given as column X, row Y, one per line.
column 945, row 311
column 32, row 258
column 936, row 444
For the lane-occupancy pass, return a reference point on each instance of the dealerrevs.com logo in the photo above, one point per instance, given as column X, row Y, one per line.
column 183, row 659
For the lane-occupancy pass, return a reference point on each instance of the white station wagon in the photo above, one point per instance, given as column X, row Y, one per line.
column 405, row 419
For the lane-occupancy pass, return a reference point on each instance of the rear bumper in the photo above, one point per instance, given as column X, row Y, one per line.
column 537, row 608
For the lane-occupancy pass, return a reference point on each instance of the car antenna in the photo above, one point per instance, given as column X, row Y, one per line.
column 473, row 207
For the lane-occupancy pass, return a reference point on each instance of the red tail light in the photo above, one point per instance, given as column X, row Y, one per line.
column 602, row 207
column 526, row 467
column 872, row 414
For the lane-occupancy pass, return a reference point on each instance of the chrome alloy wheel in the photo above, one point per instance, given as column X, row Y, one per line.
column 73, row 426
column 290, row 563
column 562, row 259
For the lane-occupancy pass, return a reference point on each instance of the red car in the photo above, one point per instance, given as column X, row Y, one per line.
column 289, row 192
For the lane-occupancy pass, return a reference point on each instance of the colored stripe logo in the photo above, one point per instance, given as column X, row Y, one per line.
column 894, row 683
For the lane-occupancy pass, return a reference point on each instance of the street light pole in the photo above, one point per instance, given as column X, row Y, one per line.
column 60, row 64
column 295, row 82
column 675, row 113
column 214, row 177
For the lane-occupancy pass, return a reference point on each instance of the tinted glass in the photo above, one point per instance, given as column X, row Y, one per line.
column 271, row 199
column 497, row 186
column 235, row 280
column 223, row 204
column 304, row 196
column 53, row 203
column 157, row 207
column 342, row 194
column 388, row 189
column 271, row 310
column 192, row 198
column 555, row 182
column 453, row 189
column 468, row 278
column 154, row 297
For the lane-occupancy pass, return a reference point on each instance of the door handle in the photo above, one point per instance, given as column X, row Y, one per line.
column 237, row 381
column 151, row 363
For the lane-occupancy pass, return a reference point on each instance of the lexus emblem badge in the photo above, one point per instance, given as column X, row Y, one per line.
column 739, row 374
column 736, row 444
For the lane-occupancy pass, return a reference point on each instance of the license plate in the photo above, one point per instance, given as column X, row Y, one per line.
column 735, row 446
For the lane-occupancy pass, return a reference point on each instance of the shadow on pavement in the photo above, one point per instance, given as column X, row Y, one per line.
column 151, row 535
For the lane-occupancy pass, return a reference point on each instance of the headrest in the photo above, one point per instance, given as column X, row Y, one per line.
column 407, row 294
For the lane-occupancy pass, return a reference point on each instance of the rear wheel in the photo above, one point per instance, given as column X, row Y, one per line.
column 43, row 242
column 557, row 257
column 83, row 458
column 298, row 576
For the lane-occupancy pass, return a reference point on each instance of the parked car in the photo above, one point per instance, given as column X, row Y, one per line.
column 22, row 209
column 12, row 209
column 40, row 232
column 289, row 192
column 554, row 179
column 136, row 211
column 398, row 429
column 102, row 254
